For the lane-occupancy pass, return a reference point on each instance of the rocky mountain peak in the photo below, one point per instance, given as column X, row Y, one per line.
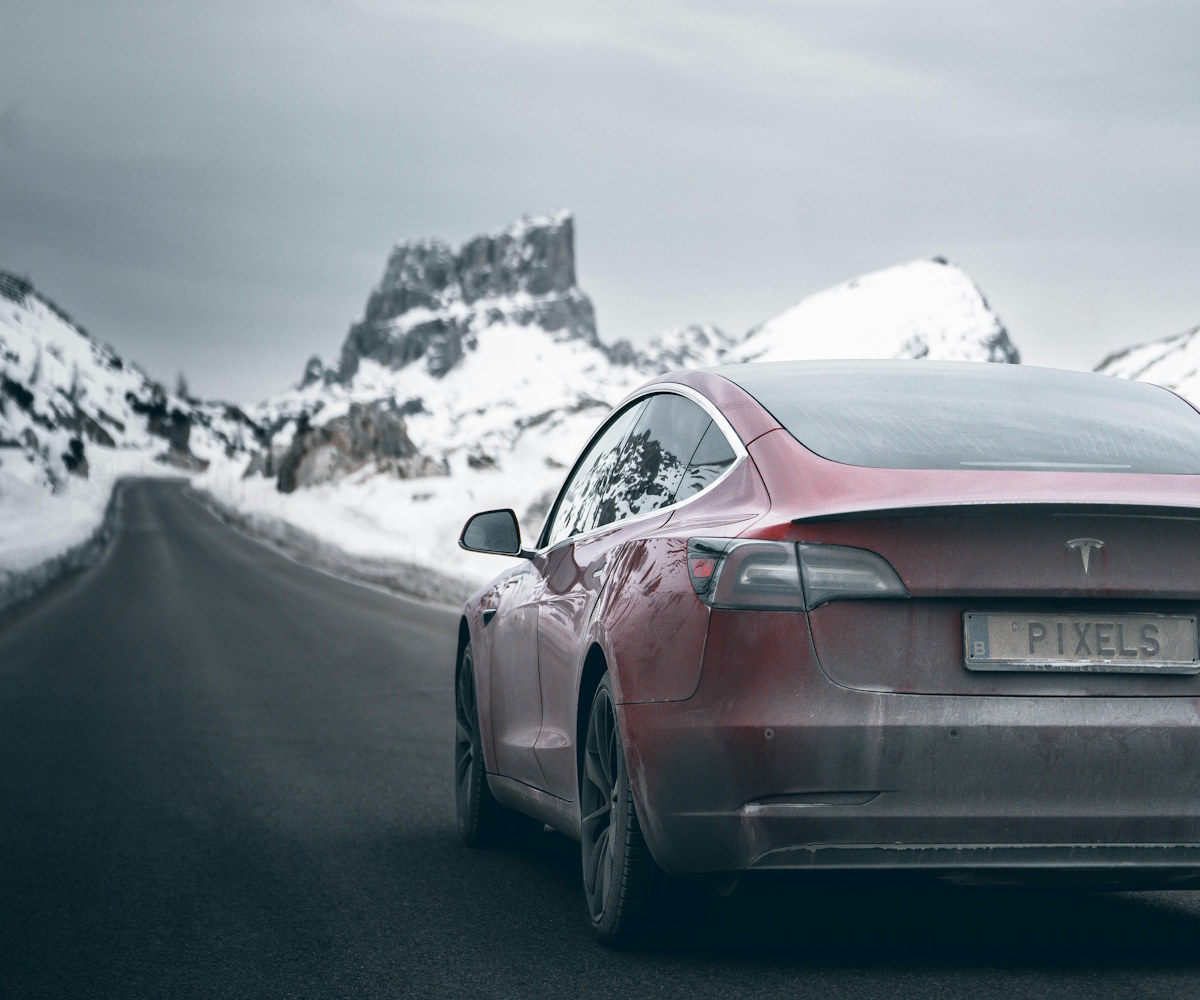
column 534, row 257
column 314, row 372
column 923, row 309
column 432, row 299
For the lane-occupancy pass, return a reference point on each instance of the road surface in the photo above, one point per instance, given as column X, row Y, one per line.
column 223, row 774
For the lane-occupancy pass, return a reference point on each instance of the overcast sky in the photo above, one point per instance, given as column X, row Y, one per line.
column 214, row 187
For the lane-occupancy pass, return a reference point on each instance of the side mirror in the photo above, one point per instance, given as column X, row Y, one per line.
column 494, row 532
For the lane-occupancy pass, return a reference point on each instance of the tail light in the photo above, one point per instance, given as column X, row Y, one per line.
column 732, row 573
column 784, row 576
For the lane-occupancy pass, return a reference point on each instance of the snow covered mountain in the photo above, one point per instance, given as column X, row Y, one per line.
column 474, row 376
column 1173, row 362
column 74, row 417
column 923, row 309
column 471, row 380
column 432, row 301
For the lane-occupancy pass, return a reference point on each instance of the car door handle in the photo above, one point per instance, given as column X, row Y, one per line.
column 488, row 615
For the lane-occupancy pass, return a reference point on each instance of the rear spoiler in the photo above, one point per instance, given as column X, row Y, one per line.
column 977, row 508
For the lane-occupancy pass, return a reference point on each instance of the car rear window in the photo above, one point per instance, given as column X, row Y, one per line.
column 945, row 415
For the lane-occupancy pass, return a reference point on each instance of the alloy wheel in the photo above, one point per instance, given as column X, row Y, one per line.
column 466, row 743
column 598, row 799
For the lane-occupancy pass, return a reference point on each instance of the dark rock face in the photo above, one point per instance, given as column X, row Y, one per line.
column 431, row 299
column 314, row 371
column 75, row 458
column 367, row 433
column 14, row 288
column 420, row 274
column 17, row 392
column 1001, row 348
column 534, row 258
column 623, row 353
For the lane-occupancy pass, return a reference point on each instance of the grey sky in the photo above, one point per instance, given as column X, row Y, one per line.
column 215, row 187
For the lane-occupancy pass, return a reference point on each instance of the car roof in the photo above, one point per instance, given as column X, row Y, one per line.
column 808, row 483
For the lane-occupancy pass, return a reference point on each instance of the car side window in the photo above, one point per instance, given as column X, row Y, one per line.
column 712, row 457
column 580, row 502
column 654, row 457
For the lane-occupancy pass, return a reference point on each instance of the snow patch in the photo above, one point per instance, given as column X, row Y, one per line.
column 1172, row 362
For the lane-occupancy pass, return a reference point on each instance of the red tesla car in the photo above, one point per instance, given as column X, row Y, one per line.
column 846, row 615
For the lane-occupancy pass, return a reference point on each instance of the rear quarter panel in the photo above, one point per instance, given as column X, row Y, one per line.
column 651, row 623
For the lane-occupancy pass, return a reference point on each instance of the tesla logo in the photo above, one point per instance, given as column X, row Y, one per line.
column 1085, row 547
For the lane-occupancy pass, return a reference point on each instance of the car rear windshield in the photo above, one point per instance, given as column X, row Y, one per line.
column 942, row 415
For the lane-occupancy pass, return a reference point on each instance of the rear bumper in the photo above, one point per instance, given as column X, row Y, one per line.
column 772, row 766
column 1109, row 859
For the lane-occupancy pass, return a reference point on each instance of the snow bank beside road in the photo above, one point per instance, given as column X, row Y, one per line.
column 370, row 524
column 44, row 537
column 309, row 548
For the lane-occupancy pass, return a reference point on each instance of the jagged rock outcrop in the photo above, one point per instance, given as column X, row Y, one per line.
column 432, row 299
column 365, row 434
column 315, row 372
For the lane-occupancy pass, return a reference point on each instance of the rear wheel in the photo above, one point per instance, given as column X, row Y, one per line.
column 620, row 879
column 482, row 821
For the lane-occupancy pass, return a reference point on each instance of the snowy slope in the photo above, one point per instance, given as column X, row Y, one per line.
column 1173, row 362
column 74, row 417
column 504, row 424
column 923, row 309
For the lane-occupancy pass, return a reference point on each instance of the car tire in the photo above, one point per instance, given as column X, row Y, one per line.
column 620, row 878
column 482, row 821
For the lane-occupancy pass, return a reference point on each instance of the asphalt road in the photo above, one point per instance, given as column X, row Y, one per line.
column 223, row 774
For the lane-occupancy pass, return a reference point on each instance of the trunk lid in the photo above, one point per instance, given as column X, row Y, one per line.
column 1049, row 568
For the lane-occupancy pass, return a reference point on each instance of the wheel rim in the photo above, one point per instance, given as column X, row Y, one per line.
column 466, row 726
column 598, row 799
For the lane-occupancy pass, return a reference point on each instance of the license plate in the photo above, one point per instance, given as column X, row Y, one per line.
column 1099, row 644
